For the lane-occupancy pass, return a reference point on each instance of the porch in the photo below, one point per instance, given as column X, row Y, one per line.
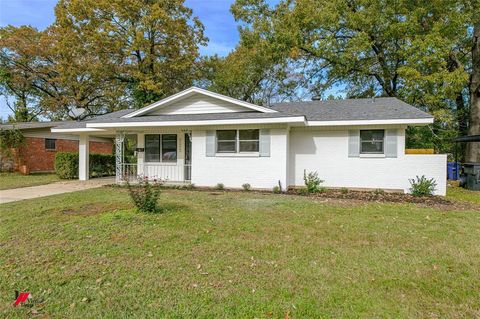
column 160, row 156
column 156, row 154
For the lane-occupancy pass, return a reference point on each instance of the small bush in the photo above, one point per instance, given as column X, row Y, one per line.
column 344, row 190
column 246, row 187
column 378, row 192
column 220, row 187
column 145, row 195
column 66, row 165
column 276, row 189
column 312, row 181
column 422, row 186
column 189, row 186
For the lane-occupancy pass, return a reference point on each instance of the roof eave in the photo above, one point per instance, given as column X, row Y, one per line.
column 415, row 121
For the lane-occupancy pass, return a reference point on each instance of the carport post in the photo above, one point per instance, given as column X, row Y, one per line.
column 83, row 158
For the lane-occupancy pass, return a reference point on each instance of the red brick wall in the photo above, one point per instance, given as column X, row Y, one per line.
column 38, row 159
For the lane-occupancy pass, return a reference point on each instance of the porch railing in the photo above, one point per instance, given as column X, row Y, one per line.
column 153, row 171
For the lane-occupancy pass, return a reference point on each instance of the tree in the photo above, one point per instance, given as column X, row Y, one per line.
column 51, row 72
column 151, row 45
column 15, row 78
column 383, row 47
column 252, row 75
column 473, row 149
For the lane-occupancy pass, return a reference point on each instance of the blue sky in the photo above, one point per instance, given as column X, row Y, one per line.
column 220, row 27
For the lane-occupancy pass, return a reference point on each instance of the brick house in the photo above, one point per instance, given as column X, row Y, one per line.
column 38, row 152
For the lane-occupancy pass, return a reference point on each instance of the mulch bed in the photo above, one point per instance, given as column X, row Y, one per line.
column 355, row 196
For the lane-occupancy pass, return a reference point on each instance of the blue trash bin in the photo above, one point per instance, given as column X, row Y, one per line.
column 453, row 170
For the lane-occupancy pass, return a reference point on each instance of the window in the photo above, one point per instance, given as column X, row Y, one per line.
column 371, row 141
column 237, row 141
column 50, row 144
column 160, row 148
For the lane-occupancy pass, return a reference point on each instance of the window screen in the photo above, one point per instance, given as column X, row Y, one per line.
column 50, row 144
column 371, row 141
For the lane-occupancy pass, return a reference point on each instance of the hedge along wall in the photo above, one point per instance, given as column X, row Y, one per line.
column 66, row 165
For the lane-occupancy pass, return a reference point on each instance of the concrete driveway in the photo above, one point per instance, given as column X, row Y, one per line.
column 16, row 194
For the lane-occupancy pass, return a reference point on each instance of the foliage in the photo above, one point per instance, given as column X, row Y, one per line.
column 66, row 165
column 417, row 51
column 344, row 190
column 246, row 187
column 302, row 191
column 99, row 56
column 220, row 187
column 145, row 195
column 312, row 181
column 378, row 192
column 101, row 165
column 421, row 186
column 10, row 139
column 276, row 189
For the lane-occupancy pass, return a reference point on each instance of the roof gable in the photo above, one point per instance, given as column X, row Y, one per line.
column 198, row 101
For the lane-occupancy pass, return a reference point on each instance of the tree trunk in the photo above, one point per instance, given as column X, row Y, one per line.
column 473, row 149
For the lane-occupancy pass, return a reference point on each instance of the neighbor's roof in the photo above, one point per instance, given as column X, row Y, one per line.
column 385, row 108
column 32, row 125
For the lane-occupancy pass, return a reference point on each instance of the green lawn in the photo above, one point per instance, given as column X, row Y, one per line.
column 238, row 255
column 462, row 194
column 16, row 180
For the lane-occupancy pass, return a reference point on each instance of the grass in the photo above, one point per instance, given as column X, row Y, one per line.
column 462, row 194
column 237, row 255
column 16, row 180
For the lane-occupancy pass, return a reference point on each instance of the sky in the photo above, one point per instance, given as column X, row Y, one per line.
column 220, row 27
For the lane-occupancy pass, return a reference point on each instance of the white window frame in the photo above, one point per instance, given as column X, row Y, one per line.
column 160, row 141
column 237, row 142
column 373, row 140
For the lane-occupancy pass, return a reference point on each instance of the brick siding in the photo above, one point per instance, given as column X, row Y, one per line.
column 38, row 159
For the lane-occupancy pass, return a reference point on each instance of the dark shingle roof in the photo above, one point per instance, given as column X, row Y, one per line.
column 352, row 109
column 176, row 117
column 32, row 125
column 332, row 110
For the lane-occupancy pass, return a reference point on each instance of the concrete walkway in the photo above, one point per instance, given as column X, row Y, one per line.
column 16, row 194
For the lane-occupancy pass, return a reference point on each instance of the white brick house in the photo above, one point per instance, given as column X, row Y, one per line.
column 206, row 138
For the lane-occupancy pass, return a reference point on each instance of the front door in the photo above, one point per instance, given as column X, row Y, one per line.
column 188, row 157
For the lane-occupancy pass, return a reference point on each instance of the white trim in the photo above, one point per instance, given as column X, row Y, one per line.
column 194, row 89
column 296, row 119
column 79, row 130
column 370, row 122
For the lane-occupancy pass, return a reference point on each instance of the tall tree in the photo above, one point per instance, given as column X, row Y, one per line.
column 252, row 75
column 152, row 45
column 382, row 47
column 473, row 149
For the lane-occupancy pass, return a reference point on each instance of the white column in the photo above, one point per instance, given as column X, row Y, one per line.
column 83, row 165
column 141, row 155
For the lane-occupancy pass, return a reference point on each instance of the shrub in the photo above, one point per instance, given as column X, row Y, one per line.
column 66, row 165
column 276, row 189
column 312, row 181
column 422, row 186
column 220, row 187
column 378, row 192
column 10, row 139
column 102, row 165
column 145, row 195
column 344, row 190
column 246, row 187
